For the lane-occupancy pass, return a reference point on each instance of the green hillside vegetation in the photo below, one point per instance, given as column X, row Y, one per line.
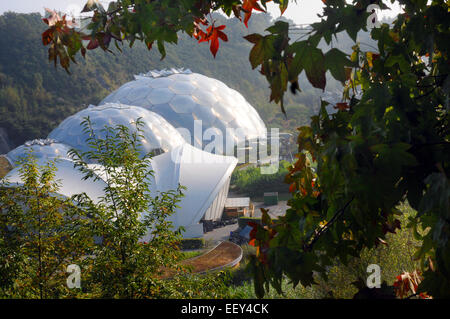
column 35, row 97
column 249, row 181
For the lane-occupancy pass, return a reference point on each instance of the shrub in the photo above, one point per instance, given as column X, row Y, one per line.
column 192, row 243
column 40, row 235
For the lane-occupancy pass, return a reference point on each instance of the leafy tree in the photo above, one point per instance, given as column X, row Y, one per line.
column 122, row 251
column 388, row 141
column 125, row 266
column 40, row 235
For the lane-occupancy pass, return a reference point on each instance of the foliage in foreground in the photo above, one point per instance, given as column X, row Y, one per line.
column 388, row 141
column 394, row 256
column 41, row 234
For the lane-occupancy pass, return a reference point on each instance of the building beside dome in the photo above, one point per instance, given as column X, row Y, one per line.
column 183, row 97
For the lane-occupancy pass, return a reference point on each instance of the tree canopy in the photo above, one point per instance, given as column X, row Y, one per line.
column 387, row 143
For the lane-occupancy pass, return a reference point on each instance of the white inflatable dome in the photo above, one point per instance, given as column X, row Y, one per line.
column 181, row 97
column 158, row 135
column 40, row 149
column 70, row 180
column 206, row 176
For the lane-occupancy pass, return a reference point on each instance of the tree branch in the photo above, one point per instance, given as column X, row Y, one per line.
column 322, row 230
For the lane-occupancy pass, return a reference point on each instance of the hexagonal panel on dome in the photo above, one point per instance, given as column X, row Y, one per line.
column 182, row 87
column 158, row 134
column 137, row 94
column 160, row 96
column 161, row 83
column 182, row 104
column 182, row 97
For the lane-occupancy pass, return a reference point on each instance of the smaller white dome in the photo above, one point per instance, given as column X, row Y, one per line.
column 40, row 148
column 158, row 135
column 70, row 180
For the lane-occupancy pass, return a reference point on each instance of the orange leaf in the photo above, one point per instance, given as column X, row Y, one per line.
column 342, row 106
column 212, row 34
column 248, row 6
column 93, row 44
column 47, row 37
column 292, row 188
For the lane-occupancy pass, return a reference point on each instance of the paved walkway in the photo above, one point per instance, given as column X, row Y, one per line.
column 274, row 210
column 220, row 234
column 213, row 237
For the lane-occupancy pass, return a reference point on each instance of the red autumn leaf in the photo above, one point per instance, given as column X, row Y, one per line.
column 407, row 283
column 303, row 191
column 342, row 106
column 292, row 188
column 199, row 34
column 212, row 34
column 47, row 36
column 216, row 34
column 93, row 44
column 248, row 6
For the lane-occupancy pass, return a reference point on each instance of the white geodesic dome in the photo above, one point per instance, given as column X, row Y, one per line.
column 206, row 177
column 182, row 97
column 69, row 178
column 158, row 135
column 40, row 149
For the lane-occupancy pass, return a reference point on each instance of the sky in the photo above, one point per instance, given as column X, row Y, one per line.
column 304, row 12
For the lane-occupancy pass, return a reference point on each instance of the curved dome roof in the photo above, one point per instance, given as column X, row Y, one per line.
column 205, row 176
column 69, row 178
column 41, row 148
column 182, row 97
column 158, row 134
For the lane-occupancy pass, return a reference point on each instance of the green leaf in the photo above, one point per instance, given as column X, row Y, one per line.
column 312, row 60
column 161, row 48
column 279, row 27
column 335, row 61
column 262, row 50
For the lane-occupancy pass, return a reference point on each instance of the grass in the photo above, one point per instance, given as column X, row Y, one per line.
column 242, row 283
column 393, row 259
column 191, row 254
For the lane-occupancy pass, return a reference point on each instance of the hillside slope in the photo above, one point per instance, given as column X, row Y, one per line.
column 35, row 96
